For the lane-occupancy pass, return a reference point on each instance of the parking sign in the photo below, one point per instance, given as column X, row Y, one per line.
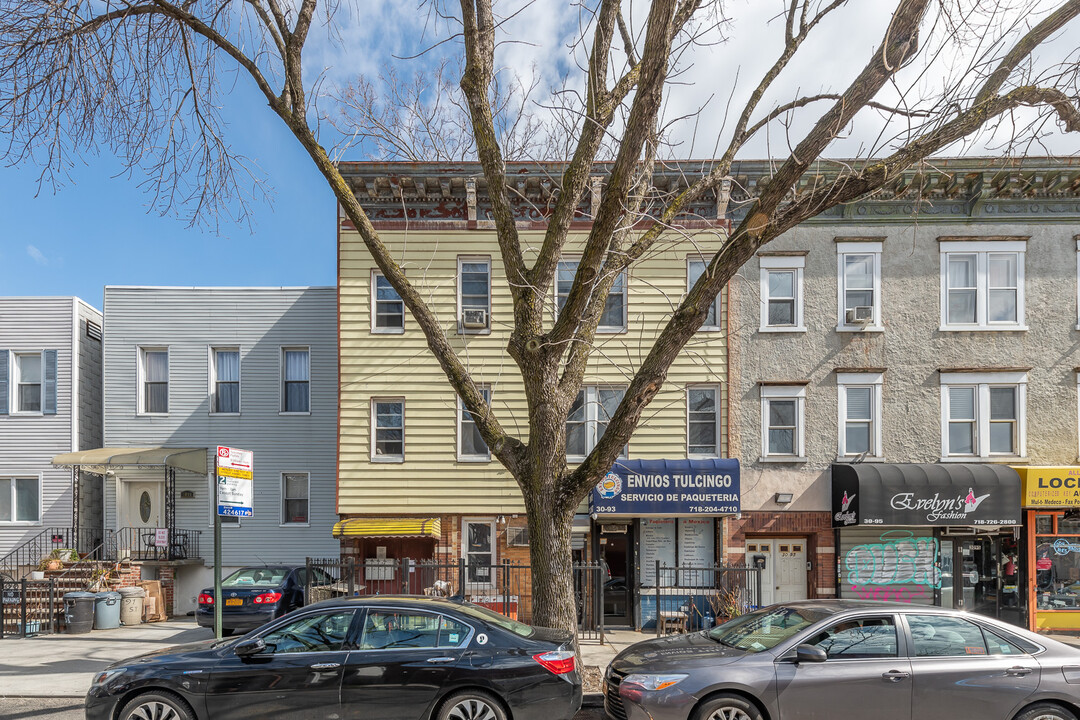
column 234, row 470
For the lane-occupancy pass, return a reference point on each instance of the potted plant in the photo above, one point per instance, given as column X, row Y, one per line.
column 55, row 560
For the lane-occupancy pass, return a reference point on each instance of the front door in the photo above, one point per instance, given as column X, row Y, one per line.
column 298, row 677
column 144, row 505
column 615, row 552
column 783, row 578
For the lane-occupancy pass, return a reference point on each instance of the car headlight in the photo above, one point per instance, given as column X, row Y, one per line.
column 653, row 682
column 106, row 675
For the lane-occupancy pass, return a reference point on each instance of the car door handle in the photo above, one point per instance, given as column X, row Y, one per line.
column 895, row 675
column 1018, row 671
column 440, row 660
column 325, row 666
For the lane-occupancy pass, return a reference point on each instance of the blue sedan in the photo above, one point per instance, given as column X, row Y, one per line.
column 253, row 596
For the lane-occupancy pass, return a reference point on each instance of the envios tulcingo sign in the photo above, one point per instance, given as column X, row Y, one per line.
column 235, row 482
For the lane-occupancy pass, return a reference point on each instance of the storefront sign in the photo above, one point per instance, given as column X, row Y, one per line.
column 235, row 482
column 915, row 495
column 1052, row 487
column 669, row 487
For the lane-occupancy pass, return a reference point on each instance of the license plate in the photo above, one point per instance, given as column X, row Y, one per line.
column 234, row 601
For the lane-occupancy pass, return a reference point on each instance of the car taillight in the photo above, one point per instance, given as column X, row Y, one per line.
column 205, row 599
column 559, row 662
column 265, row 598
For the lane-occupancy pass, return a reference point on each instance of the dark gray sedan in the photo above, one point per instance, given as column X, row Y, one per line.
column 847, row 659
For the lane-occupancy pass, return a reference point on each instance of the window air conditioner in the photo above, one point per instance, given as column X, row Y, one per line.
column 859, row 315
column 474, row 318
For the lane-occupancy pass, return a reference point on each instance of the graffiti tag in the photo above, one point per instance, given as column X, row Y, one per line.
column 901, row 561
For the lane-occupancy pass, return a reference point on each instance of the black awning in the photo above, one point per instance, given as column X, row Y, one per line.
column 908, row 494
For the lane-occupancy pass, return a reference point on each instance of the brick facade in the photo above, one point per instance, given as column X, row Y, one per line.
column 814, row 527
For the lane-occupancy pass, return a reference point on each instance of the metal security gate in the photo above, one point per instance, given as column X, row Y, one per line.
column 685, row 598
column 28, row 607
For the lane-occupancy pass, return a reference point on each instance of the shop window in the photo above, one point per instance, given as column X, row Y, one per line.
column 695, row 268
column 479, row 551
column 943, row 636
column 781, row 293
column 1057, row 563
column 20, row 500
column 983, row 414
column 684, row 548
column 588, row 419
column 859, row 283
column 613, row 315
column 982, row 285
column 387, row 307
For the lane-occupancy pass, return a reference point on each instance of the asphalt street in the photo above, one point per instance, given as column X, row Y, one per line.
column 72, row 709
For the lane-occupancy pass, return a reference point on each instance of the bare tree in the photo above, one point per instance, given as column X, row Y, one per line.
column 143, row 78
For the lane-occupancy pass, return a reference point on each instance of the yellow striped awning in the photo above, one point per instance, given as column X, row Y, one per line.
column 388, row 527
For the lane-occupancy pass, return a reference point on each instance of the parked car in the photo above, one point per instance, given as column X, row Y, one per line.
column 846, row 659
column 253, row 596
column 371, row 658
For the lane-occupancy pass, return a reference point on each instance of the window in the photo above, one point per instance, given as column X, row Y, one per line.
column 860, row 638
column 983, row 414
column 479, row 550
column 20, row 500
column 388, row 430
column 589, row 417
column 155, row 380
column 225, row 380
column 702, row 421
column 28, row 368
column 859, row 283
column 613, row 316
column 782, row 422
column 982, row 285
column 474, row 294
column 781, row 293
column 294, row 498
column 296, row 380
column 387, row 307
column 398, row 630
column 695, row 268
column 471, row 446
column 859, row 396
column 938, row 635
column 323, row 632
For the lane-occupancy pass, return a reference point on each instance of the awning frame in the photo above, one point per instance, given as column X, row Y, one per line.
column 98, row 460
column 386, row 527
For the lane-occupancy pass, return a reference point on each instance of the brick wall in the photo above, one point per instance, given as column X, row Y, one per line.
column 815, row 527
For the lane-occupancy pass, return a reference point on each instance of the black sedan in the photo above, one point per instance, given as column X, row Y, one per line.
column 253, row 596
column 848, row 660
column 374, row 658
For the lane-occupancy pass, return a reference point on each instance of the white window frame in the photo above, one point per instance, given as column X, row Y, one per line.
column 490, row 521
column 982, row 251
column 387, row 458
column 778, row 263
column 784, row 392
column 843, row 249
column 592, row 419
column 283, row 523
column 874, row 381
column 14, row 380
column 462, row 330
column 462, row 456
column 982, row 382
column 212, row 352
column 140, row 361
column 281, row 381
column 705, row 327
column 716, row 439
column 41, row 503
column 375, row 274
column 602, row 329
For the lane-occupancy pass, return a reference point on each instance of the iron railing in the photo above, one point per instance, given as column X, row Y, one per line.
column 29, row 607
column 62, row 541
column 132, row 543
column 685, row 598
column 503, row 587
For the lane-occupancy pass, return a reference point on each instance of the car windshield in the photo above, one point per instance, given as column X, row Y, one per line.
column 496, row 619
column 765, row 629
column 256, row 577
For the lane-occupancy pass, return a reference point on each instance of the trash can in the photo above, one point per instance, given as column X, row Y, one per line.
column 106, row 610
column 131, row 605
column 78, row 612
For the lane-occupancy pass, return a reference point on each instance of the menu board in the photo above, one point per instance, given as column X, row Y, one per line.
column 657, row 543
column 696, row 542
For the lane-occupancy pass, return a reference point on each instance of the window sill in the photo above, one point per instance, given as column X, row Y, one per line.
column 26, row 413
column 384, row 459
column 860, row 328
column 790, row 459
column 298, row 414
column 849, row 459
column 702, row 456
column 387, row 331
column 990, row 460
column 710, row 328
column 146, row 414
column 473, row 459
column 778, row 329
column 223, row 414
column 983, row 328
column 20, row 523
column 463, row 331
column 610, row 330
column 294, row 525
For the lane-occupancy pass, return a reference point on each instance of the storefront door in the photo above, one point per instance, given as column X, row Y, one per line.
column 615, row 552
column 982, row 575
column 783, row 578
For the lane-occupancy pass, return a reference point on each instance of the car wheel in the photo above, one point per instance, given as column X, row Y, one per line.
column 727, row 707
column 471, row 705
column 1046, row 711
column 159, row 705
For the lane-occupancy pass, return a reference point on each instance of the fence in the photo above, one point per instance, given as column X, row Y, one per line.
column 503, row 587
column 683, row 596
column 131, row 543
column 29, row 607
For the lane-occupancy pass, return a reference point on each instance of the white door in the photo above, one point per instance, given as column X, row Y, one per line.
column 144, row 506
column 784, row 576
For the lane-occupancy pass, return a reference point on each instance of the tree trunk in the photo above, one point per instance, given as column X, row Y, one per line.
column 551, row 558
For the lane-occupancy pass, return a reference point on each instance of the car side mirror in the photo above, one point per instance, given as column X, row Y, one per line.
column 254, row 646
column 810, row 654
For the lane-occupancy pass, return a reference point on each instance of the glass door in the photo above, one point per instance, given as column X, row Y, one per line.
column 977, row 567
column 615, row 552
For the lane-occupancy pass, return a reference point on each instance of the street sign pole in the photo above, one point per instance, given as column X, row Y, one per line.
column 217, row 560
column 234, row 495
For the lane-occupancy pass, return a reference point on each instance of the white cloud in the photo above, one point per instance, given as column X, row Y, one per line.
column 37, row 255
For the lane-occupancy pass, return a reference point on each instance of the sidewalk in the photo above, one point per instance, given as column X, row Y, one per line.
column 64, row 665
